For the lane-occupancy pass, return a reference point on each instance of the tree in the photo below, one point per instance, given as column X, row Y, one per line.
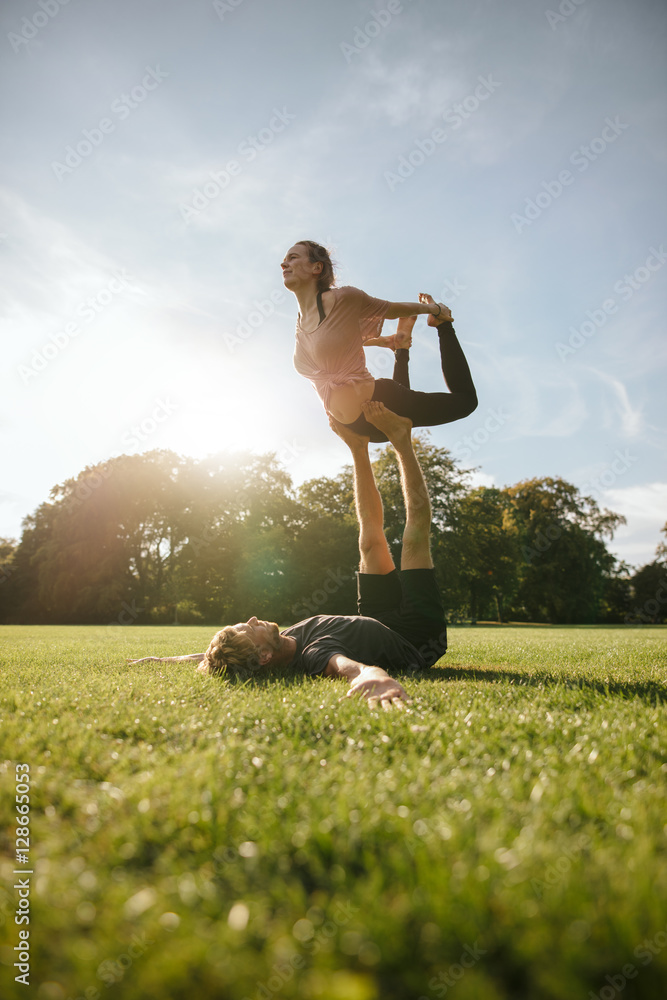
column 242, row 525
column 565, row 561
column 648, row 590
column 482, row 554
column 326, row 553
column 160, row 537
column 130, row 539
column 445, row 482
column 7, row 566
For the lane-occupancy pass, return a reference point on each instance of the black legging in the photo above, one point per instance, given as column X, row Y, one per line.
column 401, row 367
column 425, row 409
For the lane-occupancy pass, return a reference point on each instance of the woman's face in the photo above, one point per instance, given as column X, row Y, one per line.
column 298, row 270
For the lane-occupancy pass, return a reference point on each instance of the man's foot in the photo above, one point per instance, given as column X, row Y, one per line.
column 396, row 428
column 445, row 315
column 351, row 438
column 403, row 335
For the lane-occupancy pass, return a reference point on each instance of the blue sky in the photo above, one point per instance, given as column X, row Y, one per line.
column 160, row 157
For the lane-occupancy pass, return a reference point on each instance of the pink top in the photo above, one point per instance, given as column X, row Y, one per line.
column 333, row 355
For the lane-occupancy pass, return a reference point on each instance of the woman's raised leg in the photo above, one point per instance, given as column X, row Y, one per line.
column 403, row 341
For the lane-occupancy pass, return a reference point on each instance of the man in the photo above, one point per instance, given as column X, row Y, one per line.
column 401, row 622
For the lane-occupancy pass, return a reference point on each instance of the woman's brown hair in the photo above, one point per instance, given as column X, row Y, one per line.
column 320, row 255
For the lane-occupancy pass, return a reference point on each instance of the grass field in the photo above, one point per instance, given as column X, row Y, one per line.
column 505, row 838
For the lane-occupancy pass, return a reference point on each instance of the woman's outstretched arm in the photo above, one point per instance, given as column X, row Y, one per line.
column 403, row 338
column 398, row 309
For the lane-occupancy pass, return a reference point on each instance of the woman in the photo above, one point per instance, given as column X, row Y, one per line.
column 333, row 326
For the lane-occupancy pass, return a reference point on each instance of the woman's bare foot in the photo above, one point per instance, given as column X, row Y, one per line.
column 396, row 428
column 444, row 316
column 403, row 335
column 351, row 439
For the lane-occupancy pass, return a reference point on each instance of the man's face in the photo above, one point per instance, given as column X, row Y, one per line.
column 263, row 634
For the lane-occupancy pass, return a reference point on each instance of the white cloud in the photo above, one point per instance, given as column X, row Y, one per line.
column 630, row 418
column 479, row 478
column 542, row 402
column 645, row 507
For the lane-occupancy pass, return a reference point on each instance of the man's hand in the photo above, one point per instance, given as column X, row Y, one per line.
column 374, row 684
column 197, row 657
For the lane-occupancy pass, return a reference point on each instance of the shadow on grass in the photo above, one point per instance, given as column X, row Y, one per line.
column 650, row 691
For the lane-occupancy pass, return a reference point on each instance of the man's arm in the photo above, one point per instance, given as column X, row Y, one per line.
column 169, row 659
column 372, row 683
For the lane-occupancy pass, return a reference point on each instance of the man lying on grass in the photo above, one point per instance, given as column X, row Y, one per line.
column 401, row 623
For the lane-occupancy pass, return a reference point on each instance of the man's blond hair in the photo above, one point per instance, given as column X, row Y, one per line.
column 231, row 653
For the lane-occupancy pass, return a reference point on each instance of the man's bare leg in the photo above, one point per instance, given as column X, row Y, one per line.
column 375, row 556
column 416, row 552
column 403, row 335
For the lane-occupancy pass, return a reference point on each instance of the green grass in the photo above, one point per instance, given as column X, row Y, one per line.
column 513, row 818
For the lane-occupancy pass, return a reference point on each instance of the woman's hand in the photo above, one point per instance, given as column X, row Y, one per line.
column 440, row 313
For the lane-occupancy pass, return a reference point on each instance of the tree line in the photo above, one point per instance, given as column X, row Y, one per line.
column 159, row 538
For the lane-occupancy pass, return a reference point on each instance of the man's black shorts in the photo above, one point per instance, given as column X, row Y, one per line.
column 409, row 603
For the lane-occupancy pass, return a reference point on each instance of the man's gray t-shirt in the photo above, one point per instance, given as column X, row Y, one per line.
column 362, row 639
